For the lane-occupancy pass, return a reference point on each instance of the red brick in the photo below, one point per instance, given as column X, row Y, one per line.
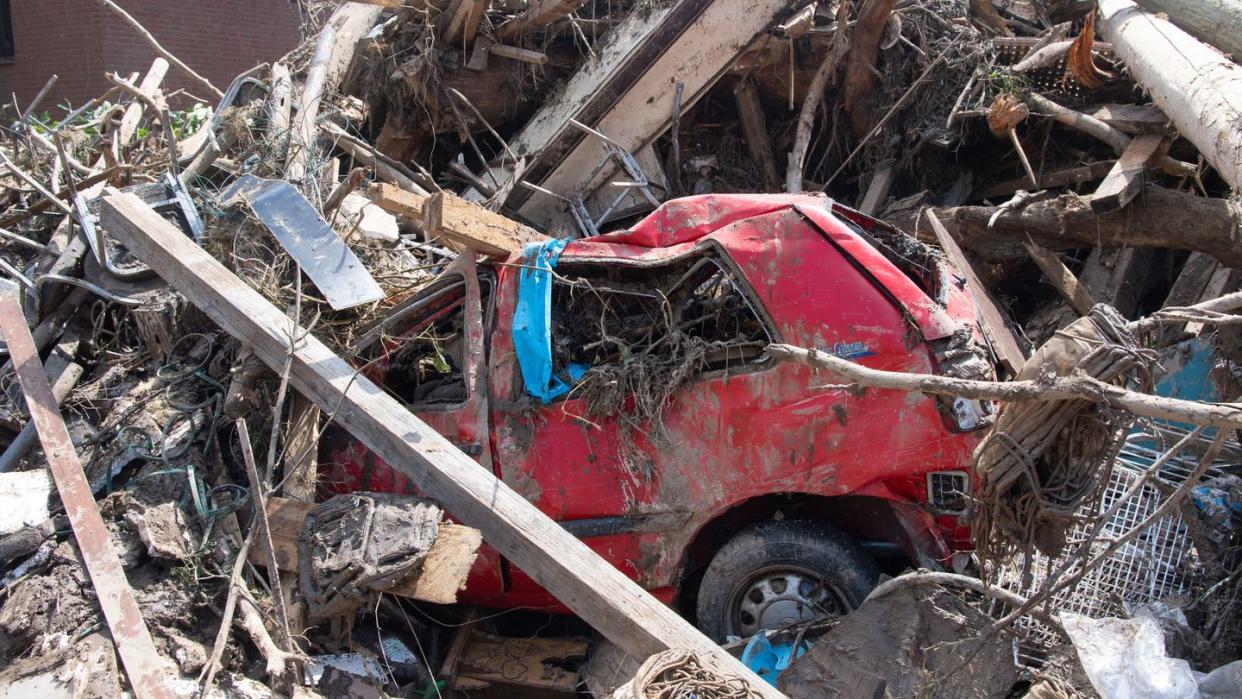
column 80, row 41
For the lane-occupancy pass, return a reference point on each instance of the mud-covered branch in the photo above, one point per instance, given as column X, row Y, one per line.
column 1058, row 388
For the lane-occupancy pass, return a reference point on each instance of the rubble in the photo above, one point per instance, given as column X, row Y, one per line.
column 1058, row 164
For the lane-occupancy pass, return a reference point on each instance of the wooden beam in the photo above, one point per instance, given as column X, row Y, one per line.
column 541, row 13
column 990, row 319
column 585, row 583
column 1058, row 178
column 143, row 665
column 397, row 201
column 626, row 94
column 443, row 572
column 1125, row 180
column 1062, row 278
column 448, row 216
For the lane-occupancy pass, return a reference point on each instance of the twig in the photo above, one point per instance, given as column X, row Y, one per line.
column 208, row 676
column 1223, row 415
column 142, row 31
column 258, row 495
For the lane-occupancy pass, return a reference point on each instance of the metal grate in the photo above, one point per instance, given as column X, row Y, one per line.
column 1151, row 567
column 946, row 491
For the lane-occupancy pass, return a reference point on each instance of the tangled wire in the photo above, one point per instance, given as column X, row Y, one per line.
column 1044, row 458
column 678, row 674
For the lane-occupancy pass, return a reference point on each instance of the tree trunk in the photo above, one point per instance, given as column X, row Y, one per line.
column 1159, row 217
column 1197, row 87
column 1217, row 22
column 860, row 72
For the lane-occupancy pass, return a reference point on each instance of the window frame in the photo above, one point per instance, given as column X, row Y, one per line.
column 451, row 282
column 703, row 248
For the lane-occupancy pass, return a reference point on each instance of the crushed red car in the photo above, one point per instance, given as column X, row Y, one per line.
column 649, row 421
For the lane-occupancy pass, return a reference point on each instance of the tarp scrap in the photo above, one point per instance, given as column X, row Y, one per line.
column 532, row 323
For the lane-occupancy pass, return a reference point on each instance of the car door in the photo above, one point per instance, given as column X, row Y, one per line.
column 430, row 353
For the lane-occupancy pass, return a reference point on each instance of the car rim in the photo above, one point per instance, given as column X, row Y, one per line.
column 781, row 595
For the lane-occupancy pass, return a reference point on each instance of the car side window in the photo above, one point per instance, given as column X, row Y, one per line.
column 418, row 352
column 643, row 328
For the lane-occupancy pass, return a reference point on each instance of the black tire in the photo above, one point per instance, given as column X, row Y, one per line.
column 742, row 588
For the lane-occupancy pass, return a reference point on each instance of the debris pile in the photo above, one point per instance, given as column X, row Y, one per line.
column 196, row 295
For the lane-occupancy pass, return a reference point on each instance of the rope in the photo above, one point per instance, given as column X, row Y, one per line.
column 1044, row 458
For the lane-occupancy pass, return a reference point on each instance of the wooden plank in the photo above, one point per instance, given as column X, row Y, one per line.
column 1125, row 180
column 755, row 130
column 143, row 665
column 448, row 216
column 585, row 583
column 877, row 188
column 525, row 55
column 1062, row 278
column 443, row 573
column 990, row 319
column 1058, row 178
column 542, row 12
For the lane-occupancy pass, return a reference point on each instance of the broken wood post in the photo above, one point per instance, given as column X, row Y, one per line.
column 990, row 318
column 448, row 216
column 143, row 665
column 1194, row 84
column 589, row 586
column 538, row 14
column 877, row 188
column 1125, row 180
column 755, row 130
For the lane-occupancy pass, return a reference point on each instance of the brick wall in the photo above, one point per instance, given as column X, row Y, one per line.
column 80, row 40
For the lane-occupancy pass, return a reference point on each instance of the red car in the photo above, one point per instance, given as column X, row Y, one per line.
column 648, row 420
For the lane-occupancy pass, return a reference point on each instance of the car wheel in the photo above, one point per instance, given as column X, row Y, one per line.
column 780, row 572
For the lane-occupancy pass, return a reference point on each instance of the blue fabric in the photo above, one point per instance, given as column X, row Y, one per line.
column 532, row 322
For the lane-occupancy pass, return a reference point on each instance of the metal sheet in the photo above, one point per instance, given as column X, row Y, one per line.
column 325, row 258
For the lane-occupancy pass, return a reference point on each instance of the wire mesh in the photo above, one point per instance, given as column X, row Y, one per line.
column 1153, row 566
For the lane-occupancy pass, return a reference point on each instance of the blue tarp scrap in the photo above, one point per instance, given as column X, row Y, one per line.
column 532, row 322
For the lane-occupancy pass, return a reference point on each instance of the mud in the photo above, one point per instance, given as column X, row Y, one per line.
column 911, row 642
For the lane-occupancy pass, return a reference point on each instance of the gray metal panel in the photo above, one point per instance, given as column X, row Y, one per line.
column 325, row 258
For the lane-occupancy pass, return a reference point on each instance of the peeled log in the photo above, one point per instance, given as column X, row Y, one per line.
column 1159, row 217
column 1217, row 22
column 1197, row 88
